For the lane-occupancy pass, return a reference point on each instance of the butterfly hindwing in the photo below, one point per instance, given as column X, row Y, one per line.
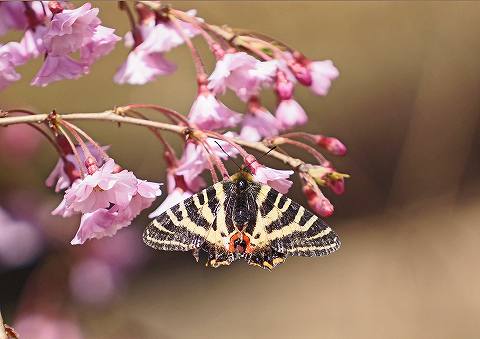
column 285, row 228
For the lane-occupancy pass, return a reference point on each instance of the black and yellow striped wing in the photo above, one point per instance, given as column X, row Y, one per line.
column 284, row 228
column 195, row 223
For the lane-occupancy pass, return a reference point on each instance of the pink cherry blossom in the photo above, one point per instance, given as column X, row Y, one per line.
column 289, row 114
column 322, row 73
column 102, row 188
column 164, row 36
column 71, row 29
column 32, row 42
column 8, row 74
column 242, row 73
column 209, row 113
column 102, row 42
column 146, row 61
column 192, row 163
column 277, row 179
column 57, row 68
column 258, row 123
column 142, row 67
column 64, row 173
column 106, row 222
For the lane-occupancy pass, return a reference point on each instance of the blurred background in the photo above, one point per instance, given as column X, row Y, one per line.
column 407, row 106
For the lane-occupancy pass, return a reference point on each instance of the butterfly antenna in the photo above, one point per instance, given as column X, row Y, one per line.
column 226, row 153
column 256, row 160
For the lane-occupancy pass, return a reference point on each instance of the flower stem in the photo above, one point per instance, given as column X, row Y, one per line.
column 74, row 149
column 316, row 154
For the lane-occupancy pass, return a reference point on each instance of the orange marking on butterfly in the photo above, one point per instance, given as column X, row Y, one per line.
column 240, row 243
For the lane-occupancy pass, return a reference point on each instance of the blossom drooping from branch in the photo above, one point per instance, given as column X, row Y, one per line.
column 258, row 123
column 242, row 73
column 209, row 113
column 277, row 179
column 70, row 31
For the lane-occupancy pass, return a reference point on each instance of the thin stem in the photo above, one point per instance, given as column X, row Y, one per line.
column 316, row 154
column 200, row 68
column 86, row 136
column 74, row 149
column 77, row 136
column 209, row 157
column 170, row 113
column 195, row 22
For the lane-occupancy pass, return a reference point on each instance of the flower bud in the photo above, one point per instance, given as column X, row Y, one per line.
column 317, row 201
column 55, row 7
column 283, row 87
column 301, row 72
column 333, row 145
column 91, row 165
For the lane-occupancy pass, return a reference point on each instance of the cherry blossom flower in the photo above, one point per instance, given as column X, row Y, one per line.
column 192, row 163
column 32, row 42
column 146, row 61
column 258, row 123
column 333, row 145
column 164, row 35
column 289, row 113
column 106, row 222
column 8, row 74
column 322, row 73
column 101, row 188
column 142, row 67
column 277, row 179
column 209, row 113
column 102, row 42
column 57, row 68
column 66, row 171
column 231, row 150
column 71, row 29
column 242, row 73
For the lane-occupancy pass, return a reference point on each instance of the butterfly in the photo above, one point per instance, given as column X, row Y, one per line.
column 240, row 218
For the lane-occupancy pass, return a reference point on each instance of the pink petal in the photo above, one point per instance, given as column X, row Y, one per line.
column 57, row 68
column 142, row 67
column 289, row 113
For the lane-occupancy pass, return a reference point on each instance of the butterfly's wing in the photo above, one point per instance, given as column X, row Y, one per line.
column 195, row 223
column 284, row 228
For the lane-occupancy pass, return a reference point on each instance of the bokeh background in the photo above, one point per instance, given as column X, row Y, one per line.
column 407, row 106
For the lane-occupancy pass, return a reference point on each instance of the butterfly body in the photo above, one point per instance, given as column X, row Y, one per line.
column 240, row 218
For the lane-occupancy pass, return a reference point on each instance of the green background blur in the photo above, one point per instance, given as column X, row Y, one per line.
column 407, row 106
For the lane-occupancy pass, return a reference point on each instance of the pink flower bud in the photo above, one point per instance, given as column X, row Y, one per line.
column 317, row 201
column 283, row 87
column 301, row 72
column 91, row 165
column 333, row 145
column 55, row 7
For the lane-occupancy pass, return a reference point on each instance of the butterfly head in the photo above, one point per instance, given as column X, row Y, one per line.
column 242, row 179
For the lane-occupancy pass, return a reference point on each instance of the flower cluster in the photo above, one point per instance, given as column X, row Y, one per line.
column 56, row 33
column 247, row 64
